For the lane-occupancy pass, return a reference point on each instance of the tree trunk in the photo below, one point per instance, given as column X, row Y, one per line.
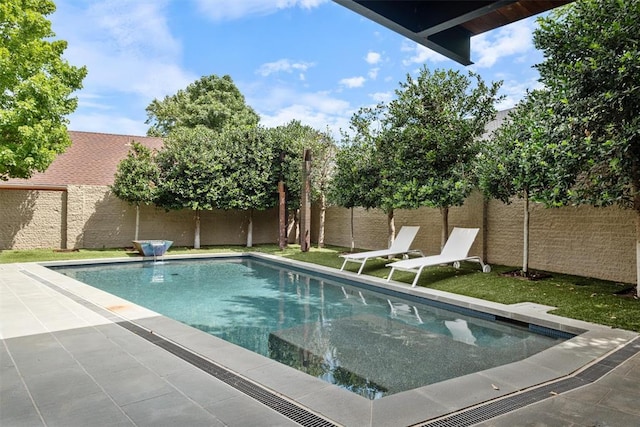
column 137, row 220
column 525, row 237
column 391, row 223
column 444, row 212
column 636, row 205
column 293, row 231
column 196, row 238
column 353, row 240
column 323, row 212
column 250, row 229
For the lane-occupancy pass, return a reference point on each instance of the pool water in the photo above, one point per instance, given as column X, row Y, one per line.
column 370, row 343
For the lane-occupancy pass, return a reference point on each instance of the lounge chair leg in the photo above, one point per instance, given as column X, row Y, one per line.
column 362, row 265
column 415, row 280
column 343, row 264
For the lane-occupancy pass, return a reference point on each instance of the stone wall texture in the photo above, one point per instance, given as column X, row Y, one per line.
column 585, row 241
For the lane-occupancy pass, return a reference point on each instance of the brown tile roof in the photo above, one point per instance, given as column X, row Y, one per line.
column 91, row 159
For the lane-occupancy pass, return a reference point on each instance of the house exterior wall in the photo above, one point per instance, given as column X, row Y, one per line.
column 585, row 241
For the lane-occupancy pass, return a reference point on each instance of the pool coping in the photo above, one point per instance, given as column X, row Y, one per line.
column 342, row 407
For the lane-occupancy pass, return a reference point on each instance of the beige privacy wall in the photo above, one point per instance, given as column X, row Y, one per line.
column 92, row 217
column 586, row 241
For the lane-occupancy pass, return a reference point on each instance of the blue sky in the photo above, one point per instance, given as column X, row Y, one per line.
column 310, row 60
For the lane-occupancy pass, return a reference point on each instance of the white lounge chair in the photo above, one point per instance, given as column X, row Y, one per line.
column 455, row 250
column 400, row 246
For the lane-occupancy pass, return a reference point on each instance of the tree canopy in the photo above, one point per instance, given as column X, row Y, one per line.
column 135, row 179
column 433, row 127
column 212, row 102
column 595, row 83
column 35, row 89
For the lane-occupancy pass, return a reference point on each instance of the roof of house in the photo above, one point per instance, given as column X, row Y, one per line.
column 91, row 159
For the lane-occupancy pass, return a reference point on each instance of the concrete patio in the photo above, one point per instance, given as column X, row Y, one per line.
column 73, row 356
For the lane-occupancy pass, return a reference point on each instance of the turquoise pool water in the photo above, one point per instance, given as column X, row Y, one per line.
column 373, row 344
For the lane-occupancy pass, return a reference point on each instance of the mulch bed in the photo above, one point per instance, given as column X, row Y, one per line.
column 531, row 275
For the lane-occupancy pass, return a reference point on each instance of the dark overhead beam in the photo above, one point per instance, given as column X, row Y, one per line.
column 446, row 26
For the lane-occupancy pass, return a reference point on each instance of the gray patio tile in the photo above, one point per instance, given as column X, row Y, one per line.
column 133, row 385
column 93, row 409
column 100, row 363
column 42, row 361
column 16, row 407
column 243, row 411
column 202, row 388
column 623, row 400
column 391, row 410
column 171, row 409
column 340, row 404
column 60, row 385
column 84, row 340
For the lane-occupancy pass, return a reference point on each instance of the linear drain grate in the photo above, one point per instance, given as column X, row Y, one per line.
column 285, row 407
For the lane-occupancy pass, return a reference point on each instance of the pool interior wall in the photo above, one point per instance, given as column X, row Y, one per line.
column 591, row 343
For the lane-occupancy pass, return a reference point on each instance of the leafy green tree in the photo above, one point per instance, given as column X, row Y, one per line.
column 35, row 89
column 358, row 180
column 517, row 161
column 289, row 141
column 247, row 176
column 191, row 168
column 323, row 151
column 136, row 178
column 213, row 102
column 433, row 129
column 592, row 68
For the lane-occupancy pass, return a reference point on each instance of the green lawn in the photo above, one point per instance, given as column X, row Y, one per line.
column 581, row 298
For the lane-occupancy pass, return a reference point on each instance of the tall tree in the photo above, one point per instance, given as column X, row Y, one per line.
column 136, row 178
column 290, row 140
column 517, row 161
column 323, row 150
column 434, row 126
column 35, row 89
column 248, row 177
column 212, row 102
column 361, row 164
column 595, row 79
column 191, row 171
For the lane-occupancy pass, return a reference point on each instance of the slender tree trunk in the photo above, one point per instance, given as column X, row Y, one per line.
column 196, row 238
column 444, row 213
column 525, row 237
column 250, row 229
column 636, row 205
column 353, row 240
column 323, row 213
column 137, row 220
column 293, row 231
column 391, row 223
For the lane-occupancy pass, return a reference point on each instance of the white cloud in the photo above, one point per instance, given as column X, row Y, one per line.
column 382, row 96
column 127, row 48
column 279, row 105
column 224, row 10
column 373, row 58
column 373, row 73
column 106, row 123
column 353, row 82
column 512, row 39
column 419, row 54
column 283, row 65
column 515, row 91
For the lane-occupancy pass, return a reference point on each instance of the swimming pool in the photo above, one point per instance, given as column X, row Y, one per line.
column 371, row 343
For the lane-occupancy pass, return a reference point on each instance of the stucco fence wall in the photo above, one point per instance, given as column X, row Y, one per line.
column 586, row 241
column 92, row 217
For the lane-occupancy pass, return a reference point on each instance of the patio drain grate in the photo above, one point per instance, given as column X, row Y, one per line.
column 289, row 409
